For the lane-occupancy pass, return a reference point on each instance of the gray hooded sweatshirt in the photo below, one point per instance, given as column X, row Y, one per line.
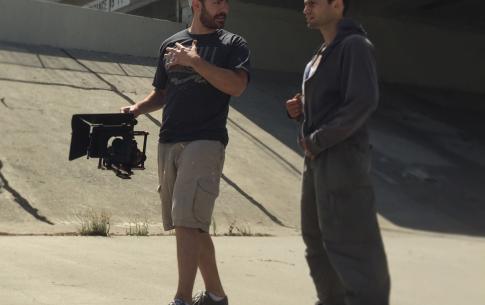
column 341, row 91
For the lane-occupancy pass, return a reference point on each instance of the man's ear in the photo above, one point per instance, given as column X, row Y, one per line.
column 339, row 4
column 196, row 5
column 334, row 3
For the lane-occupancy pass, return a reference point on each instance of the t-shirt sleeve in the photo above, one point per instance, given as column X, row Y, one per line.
column 240, row 56
column 160, row 79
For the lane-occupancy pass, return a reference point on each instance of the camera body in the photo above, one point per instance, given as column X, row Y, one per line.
column 111, row 138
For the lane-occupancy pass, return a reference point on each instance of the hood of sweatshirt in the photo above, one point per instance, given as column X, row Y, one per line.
column 347, row 27
column 339, row 89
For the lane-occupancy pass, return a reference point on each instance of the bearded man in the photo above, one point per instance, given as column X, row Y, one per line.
column 199, row 69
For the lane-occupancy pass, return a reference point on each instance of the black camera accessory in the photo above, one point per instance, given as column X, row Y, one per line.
column 111, row 138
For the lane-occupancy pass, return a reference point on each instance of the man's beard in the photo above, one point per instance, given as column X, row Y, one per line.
column 210, row 22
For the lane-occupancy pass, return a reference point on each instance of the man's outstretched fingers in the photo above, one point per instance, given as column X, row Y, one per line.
column 180, row 46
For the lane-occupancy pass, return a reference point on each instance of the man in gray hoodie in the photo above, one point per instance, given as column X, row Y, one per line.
column 344, row 246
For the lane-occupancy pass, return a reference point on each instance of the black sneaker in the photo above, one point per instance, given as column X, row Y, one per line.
column 177, row 302
column 203, row 298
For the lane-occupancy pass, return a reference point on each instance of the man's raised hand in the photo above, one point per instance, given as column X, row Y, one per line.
column 180, row 55
column 294, row 106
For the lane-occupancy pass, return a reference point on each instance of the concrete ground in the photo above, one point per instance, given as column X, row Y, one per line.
column 425, row 269
column 429, row 171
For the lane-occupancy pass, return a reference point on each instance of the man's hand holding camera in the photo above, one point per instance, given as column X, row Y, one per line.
column 133, row 109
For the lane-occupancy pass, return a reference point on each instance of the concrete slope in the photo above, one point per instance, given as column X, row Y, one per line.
column 43, row 192
column 429, row 169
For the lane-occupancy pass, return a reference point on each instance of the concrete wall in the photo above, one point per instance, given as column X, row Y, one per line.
column 166, row 10
column 278, row 37
column 44, row 23
column 428, row 56
column 408, row 52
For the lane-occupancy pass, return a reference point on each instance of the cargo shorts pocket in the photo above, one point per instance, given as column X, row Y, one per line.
column 206, row 192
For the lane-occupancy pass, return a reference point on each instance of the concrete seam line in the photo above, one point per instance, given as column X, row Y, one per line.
column 268, row 149
column 112, row 87
column 254, row 202
column 51, row 84
column 72, row 70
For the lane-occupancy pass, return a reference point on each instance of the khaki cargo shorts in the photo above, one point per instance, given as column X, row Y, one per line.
column 189, row 177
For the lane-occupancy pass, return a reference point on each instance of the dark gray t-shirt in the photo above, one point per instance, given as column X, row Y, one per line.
column 194, row 109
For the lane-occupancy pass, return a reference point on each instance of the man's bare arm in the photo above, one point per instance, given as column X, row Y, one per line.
column 154, row 101
column 228, row 81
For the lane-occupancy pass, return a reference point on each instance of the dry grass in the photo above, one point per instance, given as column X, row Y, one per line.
column 138, row 228
column 94, row 223
column 242, row 230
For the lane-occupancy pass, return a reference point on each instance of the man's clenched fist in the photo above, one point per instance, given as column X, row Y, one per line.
column 294, row 107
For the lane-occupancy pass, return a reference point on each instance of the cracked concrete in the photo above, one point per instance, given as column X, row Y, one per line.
column 18, row 198
column 4, row 103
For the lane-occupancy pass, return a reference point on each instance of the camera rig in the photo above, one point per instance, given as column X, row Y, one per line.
column 111, row 138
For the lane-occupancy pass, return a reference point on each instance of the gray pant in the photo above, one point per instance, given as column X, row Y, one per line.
column 339, row 227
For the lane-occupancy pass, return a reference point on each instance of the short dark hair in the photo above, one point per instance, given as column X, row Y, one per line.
column 192, row 7
column 346, row 5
